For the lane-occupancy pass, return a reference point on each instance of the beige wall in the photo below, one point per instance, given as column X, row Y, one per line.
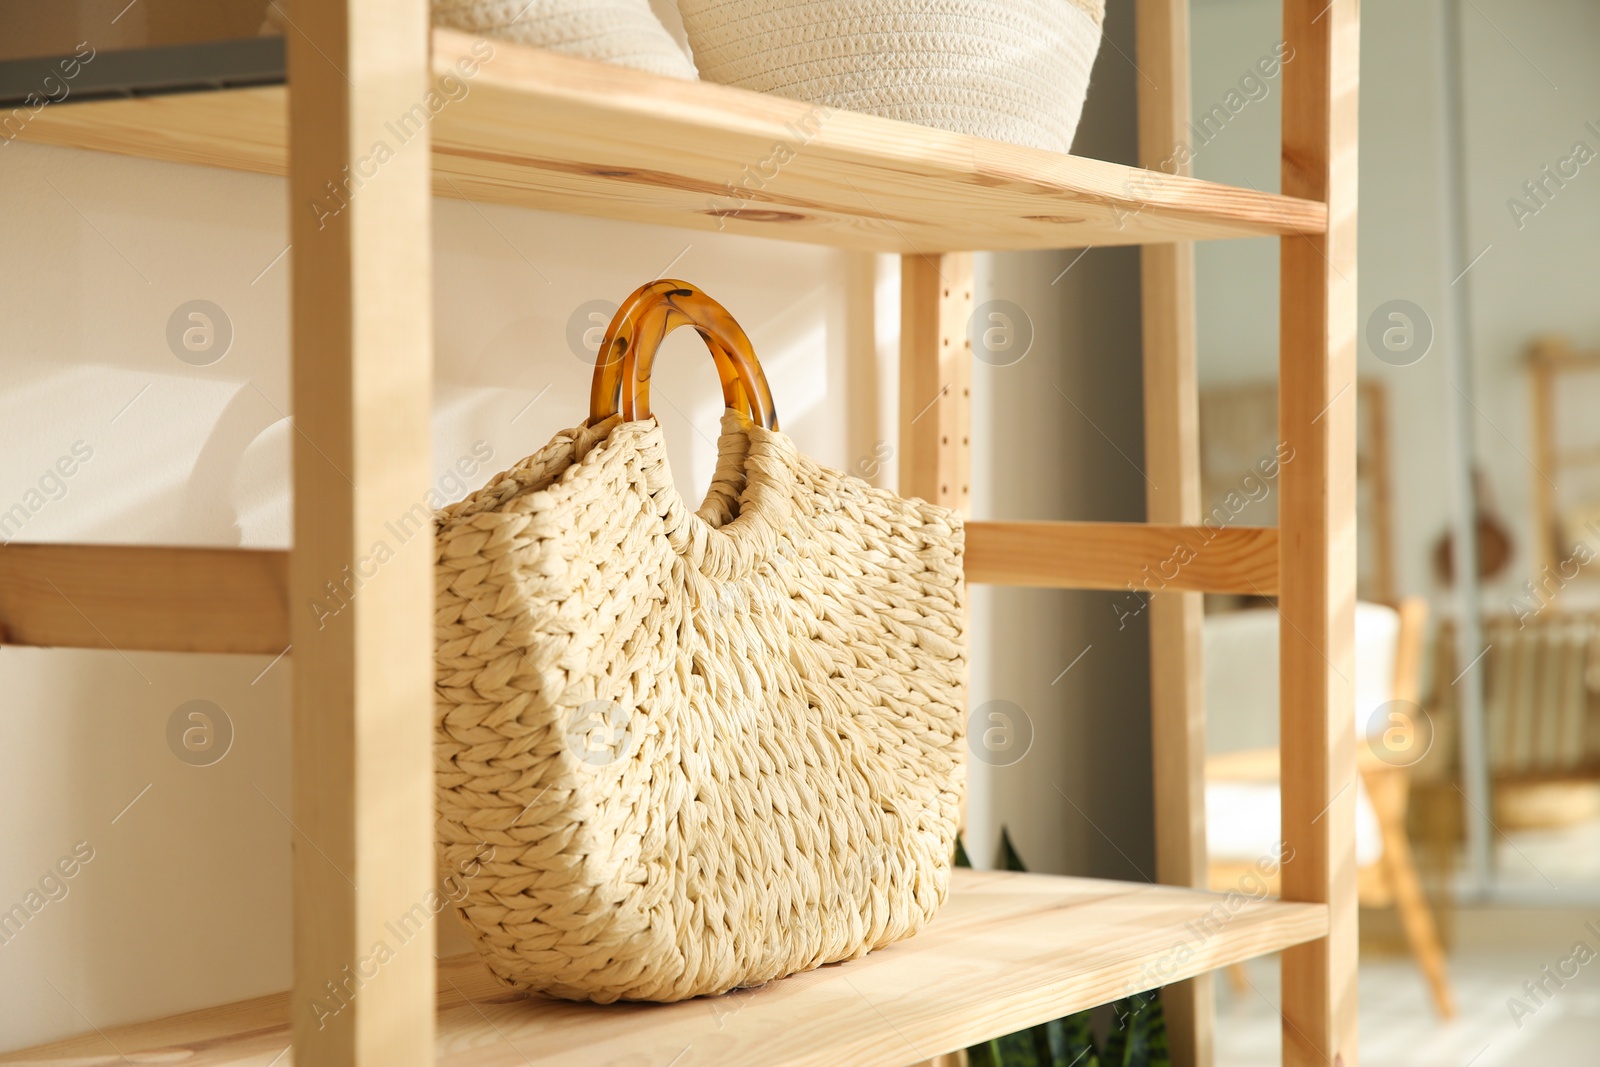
column 185, row 901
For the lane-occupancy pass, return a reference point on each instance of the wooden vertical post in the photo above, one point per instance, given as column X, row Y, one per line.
column 1547, row 520
column 1172, row 462
column 1374, row 396
column 1317, row 418
column 936, row 378
column 361, row 595
column 936, row 400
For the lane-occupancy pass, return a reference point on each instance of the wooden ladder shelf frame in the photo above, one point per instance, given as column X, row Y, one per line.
column 1172, row 495
column 362, row 391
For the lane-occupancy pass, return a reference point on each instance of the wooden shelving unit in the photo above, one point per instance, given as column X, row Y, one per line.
column 561, row 134
column 1006, row 951
column 540, row 130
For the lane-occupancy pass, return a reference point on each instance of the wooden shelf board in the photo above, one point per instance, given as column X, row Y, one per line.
column 542, row 130
column 1135, row 556
column 152, row 598
column 144, row 598
column 1007, row 951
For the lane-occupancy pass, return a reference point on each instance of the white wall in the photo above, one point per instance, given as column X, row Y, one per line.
column 1059, row 435
column 185, row 902
column 1536, row 280
column 1532, row 88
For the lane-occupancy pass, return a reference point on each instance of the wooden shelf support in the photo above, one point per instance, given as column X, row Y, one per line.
column 1141, row 559
column 1316, row 516
column 1172, row 460
column 936, row 378
column 139, row 598
column 363, row 675
column 149, row 598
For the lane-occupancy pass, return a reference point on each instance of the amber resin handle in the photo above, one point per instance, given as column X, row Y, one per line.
column 622, row 369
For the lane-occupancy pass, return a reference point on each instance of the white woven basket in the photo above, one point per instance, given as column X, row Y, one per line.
column 1008, row 70
column 624, row 32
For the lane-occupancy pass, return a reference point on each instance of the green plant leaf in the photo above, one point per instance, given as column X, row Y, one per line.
column 1138, row 1037
column 1020, row 1050
column 1008, row 859
column 984, row 1055
column 1072, row 1042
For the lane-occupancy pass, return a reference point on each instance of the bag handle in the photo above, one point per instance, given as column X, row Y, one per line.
column 622, row 370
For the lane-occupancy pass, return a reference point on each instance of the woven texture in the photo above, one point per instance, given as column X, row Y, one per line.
column 624, row 32
column 1008, row 70
column 707, row 749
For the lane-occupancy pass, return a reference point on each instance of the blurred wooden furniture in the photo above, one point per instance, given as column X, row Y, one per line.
column 1387, row 871
column 1560, row 373
column 1541, row 686
column 1238, row 430
column 1541, row 671
column 1542, row 696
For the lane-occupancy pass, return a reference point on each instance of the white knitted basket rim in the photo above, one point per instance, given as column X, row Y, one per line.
column 1008, row 70
column 624, row 32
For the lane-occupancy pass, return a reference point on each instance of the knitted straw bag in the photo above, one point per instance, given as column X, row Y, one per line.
column 624, row 32
column 1009, row 70
column 689, row 751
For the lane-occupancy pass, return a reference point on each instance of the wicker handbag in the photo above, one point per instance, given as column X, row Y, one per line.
column 686, row 751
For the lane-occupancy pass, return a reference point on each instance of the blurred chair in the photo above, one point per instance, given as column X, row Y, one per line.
column 1242, row 796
